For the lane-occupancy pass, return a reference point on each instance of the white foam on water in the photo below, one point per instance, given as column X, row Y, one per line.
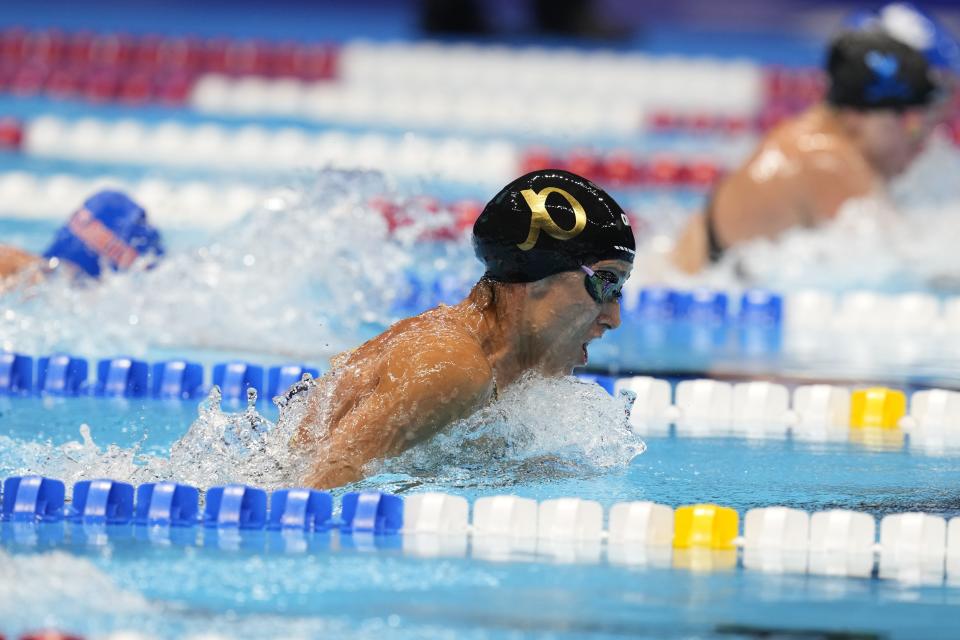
column 43, row 589
column 77, row 460
column 905, row 240
column 538, row 428
column 312, row 270
column 218, row 448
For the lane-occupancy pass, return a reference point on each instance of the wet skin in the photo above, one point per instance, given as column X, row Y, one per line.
column 13, row 260
column 804, row 170
column 426, row 372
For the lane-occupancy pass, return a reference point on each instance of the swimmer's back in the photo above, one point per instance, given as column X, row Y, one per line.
column 393, row 391
column 800, row 175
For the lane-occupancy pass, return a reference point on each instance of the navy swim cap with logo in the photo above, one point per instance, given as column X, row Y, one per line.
column 871, row 69
column 109, row 228
column 547, row 222
column 914, row 27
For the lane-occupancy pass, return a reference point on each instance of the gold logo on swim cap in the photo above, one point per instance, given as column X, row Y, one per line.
column 541, row 217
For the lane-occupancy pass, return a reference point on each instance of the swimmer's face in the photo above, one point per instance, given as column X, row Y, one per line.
column 894, row 140
column 564, row 318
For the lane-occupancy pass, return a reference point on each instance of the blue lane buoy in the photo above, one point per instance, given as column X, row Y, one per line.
column 16, row 373
column 167, row 504
column 33, row 499
column 177, row 379
column 704, row 306
column 371, row 511
column 236, row 506
column 234, row 378
column 759, row 307
column 761, row 315
column 105, row 501
column 62, row 374
column 305, row 509
column 122, row 378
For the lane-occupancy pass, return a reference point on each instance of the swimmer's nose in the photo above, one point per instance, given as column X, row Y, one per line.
column 610, row 315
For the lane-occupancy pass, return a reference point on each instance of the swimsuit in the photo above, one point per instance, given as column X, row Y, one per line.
column 715, row 250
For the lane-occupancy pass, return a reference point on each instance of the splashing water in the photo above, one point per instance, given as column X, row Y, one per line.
column 538, row 428
column 867, row 246
column 870, row 244
column 244, row 447
column 904, row 241
column 311, row 271
column 218, row 448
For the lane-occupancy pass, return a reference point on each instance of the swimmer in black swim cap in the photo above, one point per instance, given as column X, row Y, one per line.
column 871, row 70
column 547, row 222
column 557, row 251
column 889, row 86
column 552, row 230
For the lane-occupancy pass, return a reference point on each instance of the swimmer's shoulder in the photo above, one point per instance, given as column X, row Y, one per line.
column 811, row 163
column 434, row 343
column 764, row 195
column 398, row 331
column 833, row 171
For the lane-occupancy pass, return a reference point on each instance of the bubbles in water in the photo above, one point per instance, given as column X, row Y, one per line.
column 901, row 241
column 539, row 428
column 869, row 245
column 243, row 447
column 313, row 270
column 41, row 589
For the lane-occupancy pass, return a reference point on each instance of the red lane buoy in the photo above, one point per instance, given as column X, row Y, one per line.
column 11, row 134
column 49, row 635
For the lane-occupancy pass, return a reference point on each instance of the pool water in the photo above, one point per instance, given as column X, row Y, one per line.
column 559, row 442
column 307, row 585
column 284, row 273
column 881, row 475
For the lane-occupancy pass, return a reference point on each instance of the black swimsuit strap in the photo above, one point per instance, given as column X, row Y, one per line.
column 715, row 250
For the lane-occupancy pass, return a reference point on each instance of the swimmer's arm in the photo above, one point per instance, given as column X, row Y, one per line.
column 13, row 260
column 420, row 392
column 762, row 198
column 744, row 207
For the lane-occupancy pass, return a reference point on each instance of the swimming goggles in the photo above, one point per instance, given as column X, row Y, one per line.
column 603, row 286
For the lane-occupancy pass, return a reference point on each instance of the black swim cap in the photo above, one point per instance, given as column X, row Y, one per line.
column 547, row 222
column 873, row 70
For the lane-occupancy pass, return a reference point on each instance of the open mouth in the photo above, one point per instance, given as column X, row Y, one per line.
column 585, row 354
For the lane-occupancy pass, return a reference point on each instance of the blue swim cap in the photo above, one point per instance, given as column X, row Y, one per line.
column 914, row 27
column 108, row 227
column 870, row 69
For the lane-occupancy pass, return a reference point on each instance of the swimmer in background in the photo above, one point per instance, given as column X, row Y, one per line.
column 557, row 251
column 885, row 99
column 109, row 230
